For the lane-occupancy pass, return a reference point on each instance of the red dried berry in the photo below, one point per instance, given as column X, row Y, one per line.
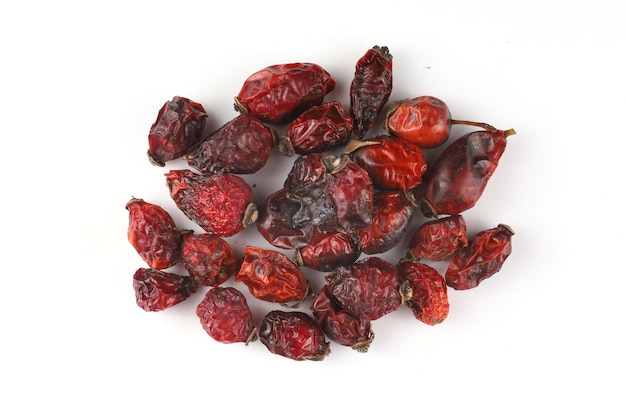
column 221, row 204
column 294, row 335
column 153, row 233
column 272, row 276
column 339, row 325
column 424, row 121
column 370, row 88
column 367, row 288
column 208, row 258
column 439, row 239
column 177, row 129
column 352, row 195
column 319, row 129
column 392, row 163
column 157, row 290
column 392, row 215
column 241, row 146
column 279, row 93
column 424, row 291
column 328, row 252
column 224, row 314
column 480, row 259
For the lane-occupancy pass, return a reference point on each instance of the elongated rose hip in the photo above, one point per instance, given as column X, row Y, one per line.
column 439, row 239
column 221, row 204
column 157, row 290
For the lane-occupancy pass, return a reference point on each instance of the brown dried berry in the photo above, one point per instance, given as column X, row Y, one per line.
column 153, row 233
column 208, row 258
column 225, row 316
column 157, row 290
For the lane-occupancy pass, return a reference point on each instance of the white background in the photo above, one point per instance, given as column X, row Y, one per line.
column 81, row 83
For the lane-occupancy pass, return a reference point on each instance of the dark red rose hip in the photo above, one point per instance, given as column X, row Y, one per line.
column 177, row 129
column 480, row 259
column 153, row 233
column 319, row 129
column 224, row 314
column 241, row 146
column 279, row 93
column 157, row 290
column 208, row 258
column 294, row 335
column 328, row 251
column 370, row 88
column 439, row 239
column 339, row 325
column 222, row 204
column 367, row 288
column 272, row 276
column 424, row 291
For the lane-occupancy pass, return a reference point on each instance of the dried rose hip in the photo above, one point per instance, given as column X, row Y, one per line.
column 157, row 290
column 367, row 288
column 241, row 146
column 392, row 163
column 352, row 195
column 279, row 93
column 424, row 291
column 480, row 259
column 272, row 276
column 153, row 234
column 460, row 174
column 339, row 325
column 177, row 129
column 392, row 215
column 319, row 129
column 328, row 251
column 208, row 258
column 370, row 88
column 221, row 204
column 424, row 121
column 294, row 335
column 439, row 239
column 225, row 316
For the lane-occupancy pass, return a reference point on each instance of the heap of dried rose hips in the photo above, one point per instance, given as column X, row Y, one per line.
column 349, row 196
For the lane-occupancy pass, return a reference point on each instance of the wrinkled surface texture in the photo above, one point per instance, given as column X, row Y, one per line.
column 329, row 251
column 392, row 215
column 460, row 174
column 178, row 128
column 224, row 314
column 340, row 325
column 241, row 146
column 439, row 239
column 428, row 292
column 153, row 233
column 218, row 203
column 272, row 276
column 370, row 88
column 367, row 288
column 424, row 121
column 319, row 129
column 294, row 335
column 481, row 258
column 157, row 290
column 279, row 93
column 208, row 258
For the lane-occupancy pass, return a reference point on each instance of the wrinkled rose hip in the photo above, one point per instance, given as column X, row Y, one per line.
column 272, row 276
column 424, row 121
column 480, row 259
column 224, row 314
column 439, row 239
column 208, row 258
column 157, row 290
column 279, row 93
column 221, row 204
column 328, row 251
column 241, row 146
column 424, row 291
column 294, row 335
column 177, row 129
column 153, row 234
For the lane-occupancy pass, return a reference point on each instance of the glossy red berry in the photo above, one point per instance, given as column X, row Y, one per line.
column 224, row 314
column 424, row 121
column 439, row 239
column 157, row 290
column 328, row 251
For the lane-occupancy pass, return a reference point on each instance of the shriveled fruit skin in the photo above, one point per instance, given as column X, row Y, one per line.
column 439, row 239
column 328, row 252
column 208, row 258
column 423, row 120
column 424, row 291
column 294, row 335
column 222, row 204
column 224, row 314
column 153, row 233
column 157, row 290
